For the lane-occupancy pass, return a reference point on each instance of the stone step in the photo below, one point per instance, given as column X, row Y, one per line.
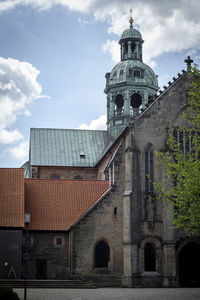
column 101, row 280
column 48, row 284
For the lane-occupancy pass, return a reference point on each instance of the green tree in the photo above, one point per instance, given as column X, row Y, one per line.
column 181, row 161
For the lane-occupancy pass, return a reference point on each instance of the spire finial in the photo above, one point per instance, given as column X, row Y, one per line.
column 131, row 19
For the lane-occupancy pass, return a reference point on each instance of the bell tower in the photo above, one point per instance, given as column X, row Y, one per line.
column 130, row 85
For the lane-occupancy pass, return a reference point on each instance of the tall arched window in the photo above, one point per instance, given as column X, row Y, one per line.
column 148, row 170
column 149, row 258
column 102, row 255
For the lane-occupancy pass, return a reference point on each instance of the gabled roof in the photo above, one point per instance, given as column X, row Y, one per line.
column 59, row 204
column 11, row 197
column 67, row 147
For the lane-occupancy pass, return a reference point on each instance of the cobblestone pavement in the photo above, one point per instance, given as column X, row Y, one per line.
column 112, row 294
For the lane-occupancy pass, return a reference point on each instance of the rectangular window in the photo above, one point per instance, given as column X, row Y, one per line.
column 114, row 74
column 58, row 241
column 115, row 211
column 121, row 75
column 28, row 240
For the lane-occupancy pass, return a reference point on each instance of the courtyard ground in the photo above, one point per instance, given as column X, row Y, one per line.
column 112, row 294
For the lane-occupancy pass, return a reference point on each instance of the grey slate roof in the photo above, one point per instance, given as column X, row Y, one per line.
column 67, row 147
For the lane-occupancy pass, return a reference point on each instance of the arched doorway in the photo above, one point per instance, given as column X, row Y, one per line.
column 189, row 265
column 102, row 255
column 149, row 258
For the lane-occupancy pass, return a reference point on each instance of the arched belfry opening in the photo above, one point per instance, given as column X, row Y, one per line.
column 149, row 258
column 136, row 100
column 189, row 265
column 136, row 103
column 102, row 255
column 119, row 104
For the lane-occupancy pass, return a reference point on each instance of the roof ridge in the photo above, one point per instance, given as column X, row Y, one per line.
column 70, row 129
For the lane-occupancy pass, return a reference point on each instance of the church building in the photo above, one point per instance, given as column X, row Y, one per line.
column 90, row 196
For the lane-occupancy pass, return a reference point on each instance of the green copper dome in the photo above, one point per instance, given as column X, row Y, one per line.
column 131, row 33
column 133, row 71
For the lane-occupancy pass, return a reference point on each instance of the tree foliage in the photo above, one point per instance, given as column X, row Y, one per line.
column 181, row 161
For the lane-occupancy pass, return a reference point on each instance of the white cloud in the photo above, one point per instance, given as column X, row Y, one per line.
column 98, row 124
column 165, row 27
column 20, row 152
column 8, row 137
column 18, row 89
column 113, row 48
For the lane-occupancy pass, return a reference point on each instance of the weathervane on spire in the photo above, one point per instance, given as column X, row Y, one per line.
column 131, row 19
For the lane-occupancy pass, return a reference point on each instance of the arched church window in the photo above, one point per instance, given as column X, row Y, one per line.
column 119, row 104
column 136, row 100
column 149, row 258
column 102, row 255
column 184, row 139
column 78, row 177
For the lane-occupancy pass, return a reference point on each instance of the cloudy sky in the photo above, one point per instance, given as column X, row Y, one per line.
column 54, row 55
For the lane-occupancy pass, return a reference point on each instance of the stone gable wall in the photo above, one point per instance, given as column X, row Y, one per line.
column 101, row 224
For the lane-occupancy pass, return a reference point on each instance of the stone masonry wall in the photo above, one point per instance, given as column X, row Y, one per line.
column 68, row 173
column 102, row 224
column 151, row 132
column 43, row 246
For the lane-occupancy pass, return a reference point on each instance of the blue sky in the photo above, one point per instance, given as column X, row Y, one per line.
column 54, row 55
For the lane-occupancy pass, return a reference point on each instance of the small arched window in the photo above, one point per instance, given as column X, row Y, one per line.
column 102, row 255
column 55, row 177
column 78, row 177
column 149, row 258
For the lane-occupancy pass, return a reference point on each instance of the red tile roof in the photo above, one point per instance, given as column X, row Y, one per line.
column 11, row 197
column 58, row 204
